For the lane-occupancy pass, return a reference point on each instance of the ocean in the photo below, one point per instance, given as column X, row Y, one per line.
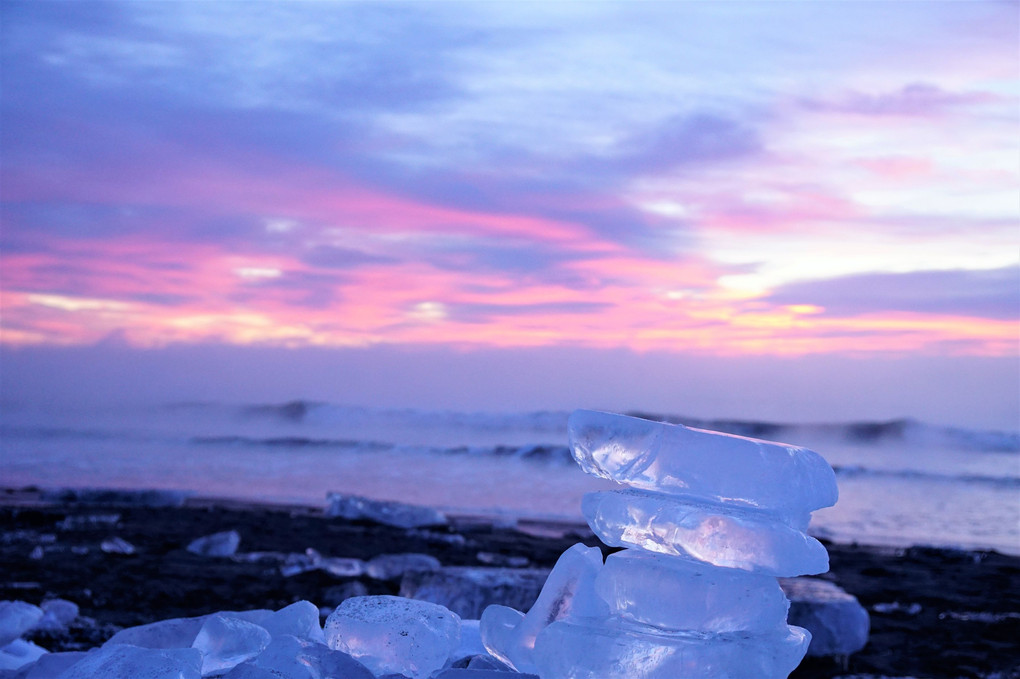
column 901, row 482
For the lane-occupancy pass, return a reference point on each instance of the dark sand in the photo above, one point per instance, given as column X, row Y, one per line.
column 964, row 622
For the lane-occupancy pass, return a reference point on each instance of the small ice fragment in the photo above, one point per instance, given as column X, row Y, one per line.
column 225, row 642
column 615, row 650
column 839, row 625
column 569, row 593
column 677, row 594
column 37, row 553
column 57, row 615
column 16, row 618
column 393, row 634
column 19, row 653
column 389, row 513
column 712, row 533
column 300, row 619
column 117, row 545
column 393, row 566
column 342, row 567
column 119, row 661
column 672, row 458
column 217, row 544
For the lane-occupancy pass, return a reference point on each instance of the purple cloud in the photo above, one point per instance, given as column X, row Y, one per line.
column 991, row 293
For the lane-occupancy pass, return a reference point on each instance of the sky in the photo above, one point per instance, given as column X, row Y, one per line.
column 798, row 210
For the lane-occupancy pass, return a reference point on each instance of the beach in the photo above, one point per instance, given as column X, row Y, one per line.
column 934, row 612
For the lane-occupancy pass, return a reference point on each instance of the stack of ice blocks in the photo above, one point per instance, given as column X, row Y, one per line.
column 709, row 522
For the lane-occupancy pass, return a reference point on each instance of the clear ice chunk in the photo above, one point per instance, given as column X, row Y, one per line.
column 120, row 661
column 672, row 458
column 225, row 642
column 615, row 650
column 711, row 533
column 217, row 544
column 391, row 634
column 300, row 619
column 677, row 594
column 390, row 513
column 16, row 618
column 569, row 593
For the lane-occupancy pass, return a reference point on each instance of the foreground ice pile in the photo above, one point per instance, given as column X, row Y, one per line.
column 710, row 521
column 365, row 637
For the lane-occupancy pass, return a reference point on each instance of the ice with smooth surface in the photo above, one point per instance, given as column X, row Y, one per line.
column 677, row 594
column 16, row 618
column 225, row 642
column 217, row 544
column 569, row 593
column 394, row 635
column 672, row 458
column 613, row 650
column 300, row 619
column 711, row 533
column 120, row 661
column 386, row 512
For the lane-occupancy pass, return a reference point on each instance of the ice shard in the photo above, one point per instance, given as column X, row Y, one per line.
column 725, row 536
column 673, row 458
column 569, row 592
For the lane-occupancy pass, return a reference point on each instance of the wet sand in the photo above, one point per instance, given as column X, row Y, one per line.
column 934, row 612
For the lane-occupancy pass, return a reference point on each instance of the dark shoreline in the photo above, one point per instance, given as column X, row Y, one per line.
column 934, row 612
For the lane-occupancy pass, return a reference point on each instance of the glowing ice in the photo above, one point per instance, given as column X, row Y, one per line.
column 673, row 458
column 731, row 537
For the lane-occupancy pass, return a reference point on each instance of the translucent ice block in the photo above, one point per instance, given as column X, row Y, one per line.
column 673, row 458
column 392, row 634
column 677, row 594
column 611, row 650
column 300, row 619
column 226, row 642
column 569, row 592
column 708, row 532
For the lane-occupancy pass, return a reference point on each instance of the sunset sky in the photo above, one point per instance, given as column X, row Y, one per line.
column 789, row 187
